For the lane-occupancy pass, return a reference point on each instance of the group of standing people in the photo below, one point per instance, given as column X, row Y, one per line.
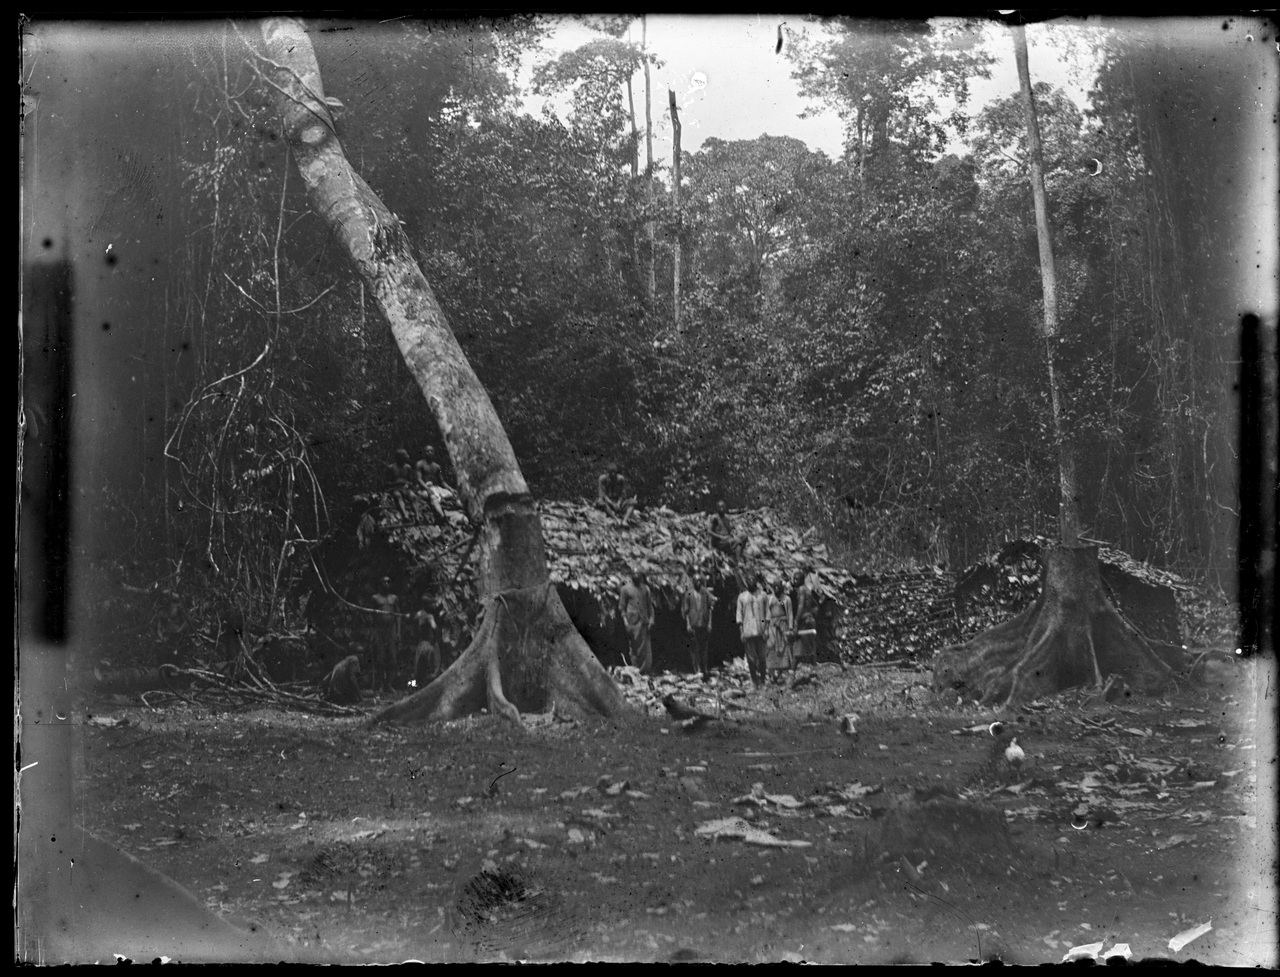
column 387, row 639
column 777, row 625
column 636, row 605
column 777, row 632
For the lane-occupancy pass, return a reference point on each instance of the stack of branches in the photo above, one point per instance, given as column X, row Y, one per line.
column 247, row 686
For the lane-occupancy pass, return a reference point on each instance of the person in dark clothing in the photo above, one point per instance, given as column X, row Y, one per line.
column 695, row 607
column 635, row 604
column 427, row 470
column 386, row 636
column 723, row 538
column 806, row 603
column 614, row 495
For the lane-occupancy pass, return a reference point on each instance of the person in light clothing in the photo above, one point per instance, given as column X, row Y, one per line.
column 751, row 618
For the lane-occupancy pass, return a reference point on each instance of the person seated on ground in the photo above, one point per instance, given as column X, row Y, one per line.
column 428, row 479
column 723, row 538
column 613, row 493
column 400, row 470
column 342, row 685
column 427, row 471
column 635, row 605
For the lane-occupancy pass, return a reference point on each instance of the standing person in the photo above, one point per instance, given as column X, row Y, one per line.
column 751, row 624
column 386, row 635
column 426, row 656
column 806, row 620
column 781, row 624
column 635, row 604
column 695, row 607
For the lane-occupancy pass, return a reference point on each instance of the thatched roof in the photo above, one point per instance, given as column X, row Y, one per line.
column 592, row 552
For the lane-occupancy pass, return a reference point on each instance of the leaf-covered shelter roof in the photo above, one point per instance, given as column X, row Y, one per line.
column 591, row 551
column 588, row 549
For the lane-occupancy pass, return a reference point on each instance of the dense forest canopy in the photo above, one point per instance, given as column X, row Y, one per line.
column 857, row 346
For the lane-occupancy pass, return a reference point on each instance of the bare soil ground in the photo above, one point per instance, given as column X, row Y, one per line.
column 1127, row 823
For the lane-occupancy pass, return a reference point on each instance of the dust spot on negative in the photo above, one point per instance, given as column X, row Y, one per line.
column 504, row 909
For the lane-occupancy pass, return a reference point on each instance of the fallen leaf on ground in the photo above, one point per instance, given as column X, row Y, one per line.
column 739, row 829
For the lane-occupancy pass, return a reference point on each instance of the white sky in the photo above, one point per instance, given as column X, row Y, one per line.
column 749, row 90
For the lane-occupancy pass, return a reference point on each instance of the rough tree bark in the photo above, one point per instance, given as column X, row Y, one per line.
column 1073, row 635
column 526, row 654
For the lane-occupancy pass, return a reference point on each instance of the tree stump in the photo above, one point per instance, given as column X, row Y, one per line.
column 1072, row 636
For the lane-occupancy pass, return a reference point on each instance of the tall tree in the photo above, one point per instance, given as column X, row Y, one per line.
column 887, row 80
column 675, row 208
column 1073, row 634
column 526, row 654
column 650, row 284
column 747, row 195
column 1068, row 509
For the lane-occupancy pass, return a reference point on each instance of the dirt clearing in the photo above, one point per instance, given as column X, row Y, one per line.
column 858, row 818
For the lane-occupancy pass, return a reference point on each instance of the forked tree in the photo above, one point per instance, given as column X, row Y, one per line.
column 526, row 655
column 1073, row 634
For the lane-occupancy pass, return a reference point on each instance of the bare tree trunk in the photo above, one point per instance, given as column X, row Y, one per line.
column 650, row 284
column 1068, row 502
column 635, row 133
column 675, row 206
column 637, row 260
column 526, row 654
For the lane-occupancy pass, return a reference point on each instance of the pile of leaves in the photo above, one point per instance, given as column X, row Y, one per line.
column 905, row 616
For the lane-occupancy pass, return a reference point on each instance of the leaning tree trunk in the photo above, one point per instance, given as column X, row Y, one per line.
column 526, row 654
column 1073, row 635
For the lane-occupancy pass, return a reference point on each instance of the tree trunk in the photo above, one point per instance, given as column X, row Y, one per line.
column 675, row 207
column 526, row 655
column 637, row 261
column 650, row 284
column 1073, row 635
column 1068, row 508
column 635, row 132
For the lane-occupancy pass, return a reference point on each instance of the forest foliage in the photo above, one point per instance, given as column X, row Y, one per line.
column 857, row 347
